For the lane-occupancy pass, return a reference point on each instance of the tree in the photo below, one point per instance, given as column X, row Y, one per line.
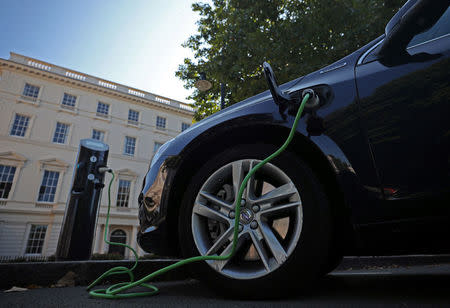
column 295, row 36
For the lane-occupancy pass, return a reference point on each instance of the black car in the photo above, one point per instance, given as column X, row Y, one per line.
column 368, row 171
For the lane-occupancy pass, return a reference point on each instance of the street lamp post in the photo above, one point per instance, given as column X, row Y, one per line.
column 222, row 96
column 203, row 85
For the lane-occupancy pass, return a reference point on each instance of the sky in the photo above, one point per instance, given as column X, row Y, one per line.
column 135, row 42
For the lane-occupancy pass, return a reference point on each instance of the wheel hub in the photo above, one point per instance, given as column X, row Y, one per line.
column 246, row 216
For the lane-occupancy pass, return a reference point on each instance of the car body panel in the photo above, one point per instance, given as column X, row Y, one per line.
column 383, row 205
column 409, row 132
column 261, row 109
column 405, row 111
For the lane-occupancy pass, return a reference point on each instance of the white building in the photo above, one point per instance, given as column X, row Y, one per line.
column 45, row 110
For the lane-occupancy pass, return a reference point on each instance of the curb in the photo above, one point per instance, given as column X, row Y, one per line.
column 47, row 273
column 367, row 262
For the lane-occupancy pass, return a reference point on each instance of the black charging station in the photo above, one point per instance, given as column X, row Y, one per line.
column 78, row 228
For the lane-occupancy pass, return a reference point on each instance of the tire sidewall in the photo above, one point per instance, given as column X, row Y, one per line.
column 309, row 256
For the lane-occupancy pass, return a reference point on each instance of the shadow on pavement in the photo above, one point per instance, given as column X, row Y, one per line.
column 343, row 289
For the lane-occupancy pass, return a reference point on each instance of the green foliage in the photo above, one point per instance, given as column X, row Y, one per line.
column 296, row 37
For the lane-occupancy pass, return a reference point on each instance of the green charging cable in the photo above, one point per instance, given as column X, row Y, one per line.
column 114, row 291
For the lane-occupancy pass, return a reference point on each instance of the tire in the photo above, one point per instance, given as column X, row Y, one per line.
column 305, row 237
column 334, row 261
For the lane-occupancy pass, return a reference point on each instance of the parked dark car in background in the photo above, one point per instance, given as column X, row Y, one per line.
column 368, row 173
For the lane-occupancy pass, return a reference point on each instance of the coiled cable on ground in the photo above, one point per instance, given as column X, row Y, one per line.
column 115, row 291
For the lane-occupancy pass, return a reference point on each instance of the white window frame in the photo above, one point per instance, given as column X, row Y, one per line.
column 45, row 194
column 7, row 181
column 102, row 116
column 129, row 192
column 67, row 108
column 128, row 175
column 105, row 133
column 30, row 100
column 69, row 133
column 135, row 146
column 30, row 124
column 27, row 237
column 51, row 165
column 132, row 122
column 160, row 127
column 15, row 160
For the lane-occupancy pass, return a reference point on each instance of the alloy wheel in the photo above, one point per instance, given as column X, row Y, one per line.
column 270, row 221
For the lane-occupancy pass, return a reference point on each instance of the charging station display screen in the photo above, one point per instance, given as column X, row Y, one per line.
column 94, row 145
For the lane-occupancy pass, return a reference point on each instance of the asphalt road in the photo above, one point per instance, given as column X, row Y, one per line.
column 408, row 286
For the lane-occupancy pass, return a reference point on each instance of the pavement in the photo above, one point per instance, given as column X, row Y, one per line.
column 375, row 286
column 48, row 273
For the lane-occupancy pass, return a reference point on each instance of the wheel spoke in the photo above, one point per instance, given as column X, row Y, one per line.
column 272, row 242
column 279, row 208
column 208, row 212
column 238, row 176
column 221, row 241
column 259, row 184
column 250, row 193
column 261, row 251
column 213, row 199
column 220, row 264
column 277, row 194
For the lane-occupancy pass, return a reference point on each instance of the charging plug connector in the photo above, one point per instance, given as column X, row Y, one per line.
column 104, row 169
column 313, row 102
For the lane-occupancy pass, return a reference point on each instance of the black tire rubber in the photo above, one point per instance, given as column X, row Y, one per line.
column 333, row 262
column 307, row 261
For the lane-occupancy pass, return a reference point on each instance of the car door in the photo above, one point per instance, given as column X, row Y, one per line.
column 405, row 110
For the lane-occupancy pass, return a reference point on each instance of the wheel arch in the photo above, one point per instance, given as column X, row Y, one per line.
column 214, row 141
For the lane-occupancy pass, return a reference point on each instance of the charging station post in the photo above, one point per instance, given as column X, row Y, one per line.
column 78, row 228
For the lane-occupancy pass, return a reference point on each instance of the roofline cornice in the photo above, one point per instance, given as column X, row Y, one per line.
column 97, row 88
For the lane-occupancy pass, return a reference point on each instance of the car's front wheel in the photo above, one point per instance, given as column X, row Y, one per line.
column 284, row 223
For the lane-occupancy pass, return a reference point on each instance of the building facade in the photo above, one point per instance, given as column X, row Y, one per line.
column 45, row 110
